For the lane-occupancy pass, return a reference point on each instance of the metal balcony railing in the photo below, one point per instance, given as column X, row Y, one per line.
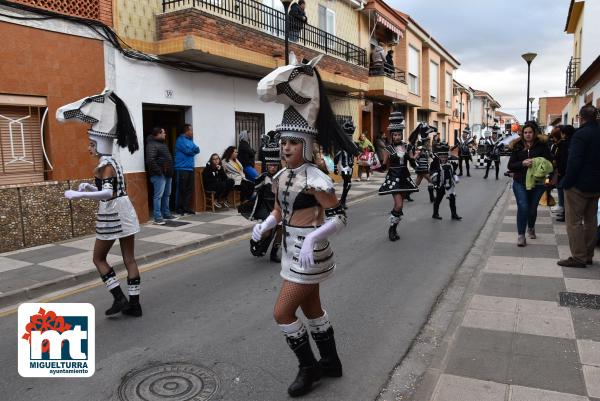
column 271, row 21
column 387, row 70
column 572, row 75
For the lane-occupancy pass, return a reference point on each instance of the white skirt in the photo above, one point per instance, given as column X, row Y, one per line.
column 290, row 268
column 116, row 219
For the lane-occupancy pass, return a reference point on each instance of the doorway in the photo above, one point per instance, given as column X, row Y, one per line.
column 171, row 118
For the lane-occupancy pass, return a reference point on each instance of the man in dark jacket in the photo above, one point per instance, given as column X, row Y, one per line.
column 581, row 185
column 185, row 151
column 159, row 166
column 297, row 18
column 246, row 156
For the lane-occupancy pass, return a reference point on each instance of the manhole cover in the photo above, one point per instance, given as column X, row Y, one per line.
column 171, row 381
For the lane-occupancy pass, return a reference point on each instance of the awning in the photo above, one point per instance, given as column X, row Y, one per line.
column 381, row 20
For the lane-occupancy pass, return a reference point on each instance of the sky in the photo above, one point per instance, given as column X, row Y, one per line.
column 489, row 36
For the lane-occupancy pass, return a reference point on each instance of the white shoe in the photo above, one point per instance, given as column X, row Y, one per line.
column 369, row 178
column 557, row 209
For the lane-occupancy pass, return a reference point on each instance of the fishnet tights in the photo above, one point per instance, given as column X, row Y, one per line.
column 292, row 296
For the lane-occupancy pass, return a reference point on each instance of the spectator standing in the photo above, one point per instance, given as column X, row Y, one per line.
column 380, row 143
column 185, row 152
column 528, row 153
column 215, row 179
column 364, row 159
column 581, row 185
column 297, row 17
column 377, row 60
column 246, row 156
column 159, row 165
column 561, row 156
column 389, row 62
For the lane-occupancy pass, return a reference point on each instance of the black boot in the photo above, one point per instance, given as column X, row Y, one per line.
column 452, row 200
column 431, row 195
column 120, row 301
column 330, row 363
column 309, row 370
column 275, row 252
column 392, row 234
column 133, row 308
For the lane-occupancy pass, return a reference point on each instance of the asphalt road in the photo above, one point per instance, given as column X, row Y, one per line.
column 215, row 309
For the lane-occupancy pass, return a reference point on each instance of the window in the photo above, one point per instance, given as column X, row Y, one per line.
column 434, row 71
column 444, row 132
column 413, row 70
column 448, row 90
column 253, row 123
column 21, row 155
column 326, row 20
column 422, row 116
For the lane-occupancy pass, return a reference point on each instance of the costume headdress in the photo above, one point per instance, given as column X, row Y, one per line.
column 420, row 135
column 307, row 116
column 270, row 148
column 467, row 130
column 396, row 121
column 442, row 148
column 109, row 119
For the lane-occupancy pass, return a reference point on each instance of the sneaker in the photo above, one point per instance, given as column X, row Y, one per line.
column 225, row 204
column 170, row 217
column 557, row 209
column 521, row 241
column 369, row 178
column 159, row 222
column 531, row 232
column 560, row 219
column 189, row 211
column 218, row 205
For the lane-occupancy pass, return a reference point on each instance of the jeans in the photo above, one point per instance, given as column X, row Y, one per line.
column 561, row 193
column 527, row 204
column 162, row 193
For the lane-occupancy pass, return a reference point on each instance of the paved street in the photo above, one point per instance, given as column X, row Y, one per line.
column 215, row 309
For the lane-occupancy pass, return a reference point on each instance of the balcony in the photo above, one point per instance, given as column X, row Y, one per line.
column 387, row 83
column 571, row 76
column 270, row 21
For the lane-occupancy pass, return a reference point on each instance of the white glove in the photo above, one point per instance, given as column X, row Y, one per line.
column 261, row 228
column 456, row 179
column 306, row 257
column 85, row 187
column 70, row 194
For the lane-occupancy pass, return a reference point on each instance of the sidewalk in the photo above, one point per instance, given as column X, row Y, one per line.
column 516, row 341
column 32, row 272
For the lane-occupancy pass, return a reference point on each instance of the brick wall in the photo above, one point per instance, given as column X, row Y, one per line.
column 196, row 22
column 100, row 10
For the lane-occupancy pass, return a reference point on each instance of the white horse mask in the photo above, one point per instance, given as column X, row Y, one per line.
column 102, row 112
column 296, row 87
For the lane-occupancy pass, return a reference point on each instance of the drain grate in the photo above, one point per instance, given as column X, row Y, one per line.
column 175, row 223
column 170, row 381
column 590, row 301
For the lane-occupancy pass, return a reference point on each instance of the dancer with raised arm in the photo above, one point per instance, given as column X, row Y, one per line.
column 116, row 218
column 309, row 211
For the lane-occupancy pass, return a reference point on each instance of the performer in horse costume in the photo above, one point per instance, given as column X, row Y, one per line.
column 464, row 150
column 444, row 180
column 344, row 162
column 116, row 218
column 264, row 201
column 309, row 211
column 419, row 140
column 493, row 149
column 397, row 181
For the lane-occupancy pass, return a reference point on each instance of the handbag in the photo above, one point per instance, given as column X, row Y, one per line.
column 364, row 158
column 375, row 163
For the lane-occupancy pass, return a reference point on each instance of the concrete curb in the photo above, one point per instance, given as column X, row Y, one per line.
column 35, row 291
column 417, row 373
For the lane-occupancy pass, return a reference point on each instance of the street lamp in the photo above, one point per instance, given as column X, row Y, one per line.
column 528, row 57
column 531, row 99
column 286, row 7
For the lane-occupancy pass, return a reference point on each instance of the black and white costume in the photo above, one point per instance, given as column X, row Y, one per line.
column 493, row 149
column 116, row 217
column 397, row 180
column 307, row 257
column 444, row 180
column 264, row 201
column 464, row 151
column 344, row 163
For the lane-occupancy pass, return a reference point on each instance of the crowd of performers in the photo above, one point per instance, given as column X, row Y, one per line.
column 295, row 207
